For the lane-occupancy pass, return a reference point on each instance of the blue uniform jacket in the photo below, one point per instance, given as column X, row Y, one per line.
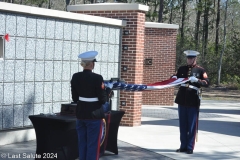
column 88, row 85
column 187, row 96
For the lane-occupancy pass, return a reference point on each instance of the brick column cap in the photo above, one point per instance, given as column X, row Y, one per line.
column 161, row 25
column 107, row 7
column 59, row 14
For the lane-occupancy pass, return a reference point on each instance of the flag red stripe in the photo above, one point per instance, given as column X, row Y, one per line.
column 165, row 82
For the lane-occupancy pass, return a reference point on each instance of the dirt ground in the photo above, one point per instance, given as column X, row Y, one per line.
column 219, row 94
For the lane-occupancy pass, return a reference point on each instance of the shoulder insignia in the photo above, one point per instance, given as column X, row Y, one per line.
column 205, row 75
column 102, row 86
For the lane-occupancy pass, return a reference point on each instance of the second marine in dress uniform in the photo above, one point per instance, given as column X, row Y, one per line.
column 188, row 99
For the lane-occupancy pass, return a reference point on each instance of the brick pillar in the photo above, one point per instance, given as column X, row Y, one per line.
column 160, row 46
column 134, row 14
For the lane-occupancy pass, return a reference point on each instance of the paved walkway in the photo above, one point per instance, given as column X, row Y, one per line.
column 218, row 135
column 158, row 136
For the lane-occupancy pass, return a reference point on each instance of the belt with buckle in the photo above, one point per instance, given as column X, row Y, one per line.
column 95, row 99
column 199, row 91
column 190, row 86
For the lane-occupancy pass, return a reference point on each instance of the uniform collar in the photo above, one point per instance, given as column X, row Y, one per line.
column 191, row 66
column 87, row 70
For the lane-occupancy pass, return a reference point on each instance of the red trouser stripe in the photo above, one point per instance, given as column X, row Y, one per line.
column 99, row 141
column 107, row 129
column 195, row 133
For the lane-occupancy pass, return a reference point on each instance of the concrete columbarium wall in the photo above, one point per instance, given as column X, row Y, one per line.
column 41, row 57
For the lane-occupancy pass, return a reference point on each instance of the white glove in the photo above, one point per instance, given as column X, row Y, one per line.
column 193, row 79
column 175, row 77
column 109, row 85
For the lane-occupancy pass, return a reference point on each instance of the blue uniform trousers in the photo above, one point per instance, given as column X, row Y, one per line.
column 188, row 119
column 89, row 139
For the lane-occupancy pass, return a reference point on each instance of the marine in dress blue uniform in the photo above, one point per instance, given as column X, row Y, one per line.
column 188, row 99
column 88, row 92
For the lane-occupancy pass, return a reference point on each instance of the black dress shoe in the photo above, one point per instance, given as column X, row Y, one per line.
column 181, row 150
column 189, row 151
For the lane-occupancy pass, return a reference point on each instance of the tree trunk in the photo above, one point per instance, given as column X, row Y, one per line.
column 217, row 27
column 198, row 17
column 205, row 28
column 183, row 18
column 224, row 45
column 160, row 12
column 171, row 12
column 49, row 4
column 182, row 30
column 203, row 34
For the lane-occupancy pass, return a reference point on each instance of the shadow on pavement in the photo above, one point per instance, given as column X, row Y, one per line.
column 126, row 152
column 130, row 152
column 209, row 155
column 220, row 127
column 221, row 111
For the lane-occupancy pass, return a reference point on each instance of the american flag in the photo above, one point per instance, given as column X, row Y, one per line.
column 153, row 86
